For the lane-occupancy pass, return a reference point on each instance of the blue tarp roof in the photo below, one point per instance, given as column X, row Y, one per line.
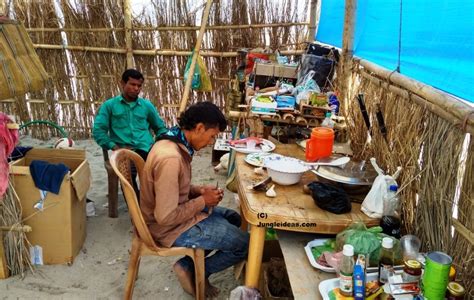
column 431, row 41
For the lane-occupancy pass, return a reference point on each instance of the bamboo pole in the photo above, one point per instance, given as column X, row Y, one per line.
column 152, row 52
column 347, row 50
column 462, row 230
column 439, row 111
column 312, row 21
column 461, row 110
column 170, row 28
column 4, row 272
column 128, row 33
column 197, row 48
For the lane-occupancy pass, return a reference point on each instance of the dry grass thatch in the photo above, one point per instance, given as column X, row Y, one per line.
column 82, row 80
column 429, row 149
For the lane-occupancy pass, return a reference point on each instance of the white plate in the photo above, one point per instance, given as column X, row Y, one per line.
column 256, row 159
column 329, row 284
column 314, row 263
column 312, row 260
column 266, row 146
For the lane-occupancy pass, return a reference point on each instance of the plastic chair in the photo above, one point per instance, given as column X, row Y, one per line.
column 142, row 242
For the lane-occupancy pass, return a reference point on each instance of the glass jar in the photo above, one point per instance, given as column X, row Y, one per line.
column 411, row 271
column 455, row 291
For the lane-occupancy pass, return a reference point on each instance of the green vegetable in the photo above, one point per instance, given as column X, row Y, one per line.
column 328, row 245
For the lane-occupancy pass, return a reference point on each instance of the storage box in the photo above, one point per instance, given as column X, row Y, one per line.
column 268, row 74
column 276, row 70
column 263, row 108
column 60, row 228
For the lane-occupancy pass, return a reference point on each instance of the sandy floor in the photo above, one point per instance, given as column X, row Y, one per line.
column 99, row 271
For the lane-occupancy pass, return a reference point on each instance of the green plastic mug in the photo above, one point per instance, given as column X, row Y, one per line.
column 436, row 275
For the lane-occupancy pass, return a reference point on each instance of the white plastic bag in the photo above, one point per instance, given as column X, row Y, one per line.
column 373, row 202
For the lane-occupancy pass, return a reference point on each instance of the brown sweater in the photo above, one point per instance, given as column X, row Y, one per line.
column 166, row 194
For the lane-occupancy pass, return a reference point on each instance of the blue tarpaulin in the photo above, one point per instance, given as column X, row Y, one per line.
column 431, row 41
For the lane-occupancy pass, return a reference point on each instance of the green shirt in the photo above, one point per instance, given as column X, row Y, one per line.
column 127, row 124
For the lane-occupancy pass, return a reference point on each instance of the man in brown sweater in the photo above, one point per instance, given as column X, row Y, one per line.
column 181, row 214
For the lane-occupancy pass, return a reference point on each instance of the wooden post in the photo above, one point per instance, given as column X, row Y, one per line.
column 312, row 21
column 4, row 273
column 189, row 80
column 128, row 32
column 347, row 50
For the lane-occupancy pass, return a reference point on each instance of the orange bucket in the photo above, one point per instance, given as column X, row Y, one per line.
column 320, row 144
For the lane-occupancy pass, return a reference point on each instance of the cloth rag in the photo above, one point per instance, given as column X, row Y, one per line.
column 8, row 140
column 48, row 176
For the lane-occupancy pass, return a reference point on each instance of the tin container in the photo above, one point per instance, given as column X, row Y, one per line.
column 436, row 276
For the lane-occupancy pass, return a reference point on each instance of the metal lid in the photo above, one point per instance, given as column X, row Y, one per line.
column 353, row 173
column 456, row 289
column 413, row 264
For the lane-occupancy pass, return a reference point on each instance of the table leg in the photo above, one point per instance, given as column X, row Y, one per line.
column 254, row 262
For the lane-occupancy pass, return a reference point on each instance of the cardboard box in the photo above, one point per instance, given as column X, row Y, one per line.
column 276, row 70
column 263, row 108
column 267, row 75
column 60, row 229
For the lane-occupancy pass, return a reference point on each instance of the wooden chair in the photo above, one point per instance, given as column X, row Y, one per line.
column 112, row 186
column 142, row 242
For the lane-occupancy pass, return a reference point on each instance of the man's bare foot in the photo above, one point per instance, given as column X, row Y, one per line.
column 211, row 291
column 186, row 279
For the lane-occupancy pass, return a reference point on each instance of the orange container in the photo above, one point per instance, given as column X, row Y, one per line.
column 320, row 144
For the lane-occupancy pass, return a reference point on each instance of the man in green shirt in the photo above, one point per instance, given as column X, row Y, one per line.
column 125, row 121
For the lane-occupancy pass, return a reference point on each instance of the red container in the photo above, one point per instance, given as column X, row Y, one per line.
column 320, row 144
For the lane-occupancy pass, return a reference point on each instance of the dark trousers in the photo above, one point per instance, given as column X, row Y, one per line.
column 143, row 155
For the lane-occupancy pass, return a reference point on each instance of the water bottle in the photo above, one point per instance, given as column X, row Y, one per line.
column 327, row 122
column 390, row 221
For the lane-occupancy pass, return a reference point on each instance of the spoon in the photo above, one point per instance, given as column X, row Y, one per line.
column 335, row 163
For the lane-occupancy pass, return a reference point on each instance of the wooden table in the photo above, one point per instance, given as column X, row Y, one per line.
column 291, row 210
column 304, row 278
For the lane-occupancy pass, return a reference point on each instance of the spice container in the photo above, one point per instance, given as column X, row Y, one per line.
column 411, row 271
column 452, row 273
column 455, row 291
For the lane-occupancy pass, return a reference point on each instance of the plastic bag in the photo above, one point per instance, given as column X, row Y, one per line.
column 364, row 241
column 196, row 83
column 330, row 198
column 323, row 68
column 206, row 85
column 372, row 205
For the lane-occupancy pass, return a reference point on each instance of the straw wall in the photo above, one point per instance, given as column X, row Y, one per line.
column 87, row 71
column 430, row 150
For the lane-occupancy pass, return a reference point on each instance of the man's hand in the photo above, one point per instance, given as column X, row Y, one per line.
column 211, row 195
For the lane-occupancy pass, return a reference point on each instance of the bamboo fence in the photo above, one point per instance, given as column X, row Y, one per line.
column 426, row 128
column 103, row 39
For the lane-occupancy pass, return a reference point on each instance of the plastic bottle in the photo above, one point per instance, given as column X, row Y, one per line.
column 320, row 143
column 387, row 259
column 327, row 122
column 347, row 269
column 390, row 221
column 333, row 103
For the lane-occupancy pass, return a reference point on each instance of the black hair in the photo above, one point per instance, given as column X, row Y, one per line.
column 203, row 112
column 133, row 74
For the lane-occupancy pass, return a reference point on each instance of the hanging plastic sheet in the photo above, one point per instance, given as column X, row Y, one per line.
column 428, row 40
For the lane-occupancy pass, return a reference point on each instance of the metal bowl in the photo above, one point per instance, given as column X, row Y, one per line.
column 356, row 177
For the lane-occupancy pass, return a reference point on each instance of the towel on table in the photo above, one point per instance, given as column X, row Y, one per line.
column 48, row 176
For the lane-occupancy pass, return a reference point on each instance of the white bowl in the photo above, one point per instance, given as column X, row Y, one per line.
column 285, row 170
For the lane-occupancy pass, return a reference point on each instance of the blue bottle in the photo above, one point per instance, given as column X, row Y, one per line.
column 333, row 103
